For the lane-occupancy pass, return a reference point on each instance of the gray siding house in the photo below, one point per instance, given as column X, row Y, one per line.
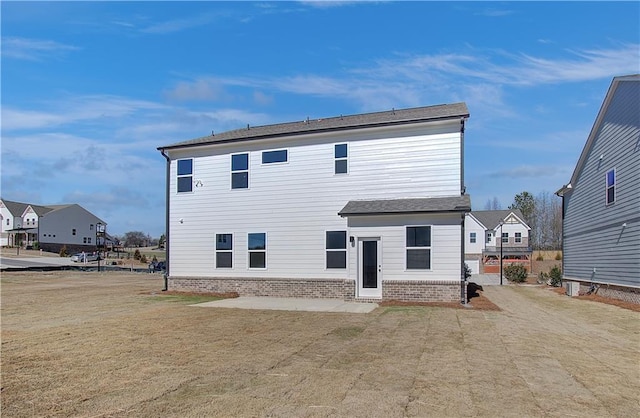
column 601, row 203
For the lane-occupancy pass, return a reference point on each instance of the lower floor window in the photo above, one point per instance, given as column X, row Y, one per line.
column 336, row 246
column 224, row 250
column 418, row 247
column 257, row 247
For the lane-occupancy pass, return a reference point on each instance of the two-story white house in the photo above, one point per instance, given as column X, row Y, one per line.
column 51, row 226
column 601, row 203
column 494, row 234
column 364, row 207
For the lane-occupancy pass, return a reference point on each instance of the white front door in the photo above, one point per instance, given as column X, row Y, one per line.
column 370, row 268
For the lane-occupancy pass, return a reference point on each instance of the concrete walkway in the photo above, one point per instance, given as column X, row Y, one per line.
column 486, row 279
column 291, row 304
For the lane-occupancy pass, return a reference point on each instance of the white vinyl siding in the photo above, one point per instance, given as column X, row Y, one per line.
column 297, row 202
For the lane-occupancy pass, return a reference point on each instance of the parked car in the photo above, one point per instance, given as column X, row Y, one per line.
column 158, row 266
column 84, row 257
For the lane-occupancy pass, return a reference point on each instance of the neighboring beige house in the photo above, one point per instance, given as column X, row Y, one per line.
column 490, row 233
column 51, row 227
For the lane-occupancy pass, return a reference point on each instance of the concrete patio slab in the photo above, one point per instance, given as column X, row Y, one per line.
column 291, row 304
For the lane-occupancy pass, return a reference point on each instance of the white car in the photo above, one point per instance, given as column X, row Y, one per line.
column 82, row 257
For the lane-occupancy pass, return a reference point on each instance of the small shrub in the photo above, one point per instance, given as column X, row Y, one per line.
column 467, row 271
column 137, row 255
column 143, row 259
column 558, row 256
column 516, row 273
column 63, row 251
column 36, row 245
column 539, row 257
column 154, row 259
column 555, row 274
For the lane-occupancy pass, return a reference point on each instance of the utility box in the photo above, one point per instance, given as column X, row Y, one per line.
column 572, row 288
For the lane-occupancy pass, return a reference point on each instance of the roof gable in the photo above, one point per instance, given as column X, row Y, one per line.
column 338, row 123
column 596, row 128
column 491, row 219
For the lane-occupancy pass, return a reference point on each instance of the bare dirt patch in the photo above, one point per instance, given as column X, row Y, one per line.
column 108, row 344
column 600, row 299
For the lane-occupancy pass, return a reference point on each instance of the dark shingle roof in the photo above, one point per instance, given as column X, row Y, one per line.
column 491, row 218
column 407, row 206
column 391, row 117
column 16, row 208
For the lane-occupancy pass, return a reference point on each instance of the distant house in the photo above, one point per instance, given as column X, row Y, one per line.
column 51, row 227
column 601, row 203
column 364, row 207
column 490, row 233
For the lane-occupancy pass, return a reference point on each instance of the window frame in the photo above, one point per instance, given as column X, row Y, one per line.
column 338, row 159
column 610, row 187
column 335, row 250
column 505, row 238
column 223, row 251
column 183, row 176
column 517, row 237
column 413, row 248
column 472, row 237
column 240, row 171
column 256, row 251
column 273, row 152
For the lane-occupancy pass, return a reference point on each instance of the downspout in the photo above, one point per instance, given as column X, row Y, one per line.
column 463, row 190
column 463, row 279
column 166, row 232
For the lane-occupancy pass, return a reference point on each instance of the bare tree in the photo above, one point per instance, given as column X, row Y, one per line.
column 493, row 204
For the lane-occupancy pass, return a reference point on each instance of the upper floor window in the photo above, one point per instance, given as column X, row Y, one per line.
column 336, row 246
column 489, row 237
column 505, row 237
column 418, row 247
column 472, row 237
column 185, row 175
column 279, row 156
column 518, row 237
column 341, row 162
column 73, row 231
column 611, row 186
column 240, row 171
column 7, row 221
column 90, row 227
column 257, row 246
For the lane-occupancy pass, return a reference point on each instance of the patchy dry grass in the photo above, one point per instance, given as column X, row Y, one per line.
column 112, row 345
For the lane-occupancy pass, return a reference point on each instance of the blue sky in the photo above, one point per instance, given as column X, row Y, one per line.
column 91, row 89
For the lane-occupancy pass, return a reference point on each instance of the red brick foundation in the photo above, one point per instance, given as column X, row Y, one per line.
column 344, row 289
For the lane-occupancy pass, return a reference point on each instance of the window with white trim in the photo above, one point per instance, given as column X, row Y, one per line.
column 257, row 248
column 518, row 237
column 611, row 186
column 489, row 237
column 185, row 175
column 505, row 237
column 336, row 249
column 240, row 171
column 224, row 251
column 418, row 247
column 472, row 237
column 272, row 157
column 340, row 153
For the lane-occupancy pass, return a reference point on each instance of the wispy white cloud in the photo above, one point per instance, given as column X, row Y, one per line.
column 73, row 109
column 177, row 25
column 33, row 49
column 475, row 76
